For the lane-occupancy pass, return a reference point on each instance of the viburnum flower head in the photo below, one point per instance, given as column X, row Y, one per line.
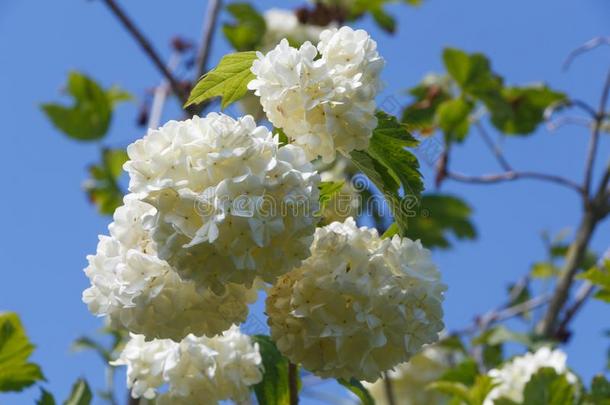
column 215, row 369
column 323, row 98
column 232, row 205
column 143, row 294
column 513, row 376
column 359, row 305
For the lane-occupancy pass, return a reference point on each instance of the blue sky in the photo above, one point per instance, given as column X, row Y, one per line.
column 50, row 227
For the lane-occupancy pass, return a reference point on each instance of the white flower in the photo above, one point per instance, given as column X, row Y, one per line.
column 514, row 375
column 359, row 305
column 232, row 205
column 219, row 368
column 324, row 104
column 410, row 380
column 142, row 293
column 280, row 24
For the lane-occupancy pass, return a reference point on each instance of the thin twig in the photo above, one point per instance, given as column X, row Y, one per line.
column 586, row 47
column 594, row 140
column 585, row 291
column 147, row 47
column 389, row 389
column 493, row 147
column 511, row 176
column 160, row 95
column 293, row 385
column 207, row 37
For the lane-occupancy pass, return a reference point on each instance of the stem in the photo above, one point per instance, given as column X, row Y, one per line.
column 389, row 389
column 494, row 148
column 207, row 37
column 594, row 140
column 573, row 260
column 293, row 385
column 147, row 47
column 511, row 176
column 582, row 295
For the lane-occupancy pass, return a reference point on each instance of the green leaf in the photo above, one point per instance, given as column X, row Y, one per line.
column 547, row 387
column 453, row 118
column 600, row 277
column 89, row 116
column 544, row 270
column 441, row 215
column 428, row 95
column 384, row 20
column 80, row 395
column 501, row 334
column 46, row 398
column 86, row 343
column 16, row 373
column 465, row 373
column 481, row 388
column 328, row 189
column 391, row 231
column 358, row 389
column 526, row 108
column 103, row 187
column 472, row 72
column 600, row 391
column 247, row 32
column 453, row 389
column 390, row 166
column 229, row 80
column 273, row 389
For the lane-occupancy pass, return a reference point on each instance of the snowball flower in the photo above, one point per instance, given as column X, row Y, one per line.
column 514, row 375
column 359, row 305
column 280, row 24
column 219, row 368
column 323, row 98
column 410, row 379
column 231, row 204
column 142, row 293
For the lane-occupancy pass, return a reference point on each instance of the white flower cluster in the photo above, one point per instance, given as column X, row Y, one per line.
column 323, row 98
column 410, row 380
column 231, row 204
column 215, row 369
column 514, row 375
column 143, row 294
column 280, row 24
column 359, row 305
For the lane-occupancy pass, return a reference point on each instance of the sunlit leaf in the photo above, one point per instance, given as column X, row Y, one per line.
column 16, row 372
column 229, row 80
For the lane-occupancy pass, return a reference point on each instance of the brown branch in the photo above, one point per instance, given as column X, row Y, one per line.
column 595, row 211
column 389, row 389
column 594, row 140
column 147, row 47
column 514, row 175
column 207, row 37
column 293, row 386
column 582, row 295
column 494, row 148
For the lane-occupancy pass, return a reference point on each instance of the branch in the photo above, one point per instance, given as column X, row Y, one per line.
column 586, row 47
column 147, row 47
column 389, row 389
column 582, row 295
column 595, row 211
column 493, row 147
column 594, row 140
column 293, row 385
column 513, row 175
column 207, row 37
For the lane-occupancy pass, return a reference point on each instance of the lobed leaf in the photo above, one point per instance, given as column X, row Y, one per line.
column 229, row 80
